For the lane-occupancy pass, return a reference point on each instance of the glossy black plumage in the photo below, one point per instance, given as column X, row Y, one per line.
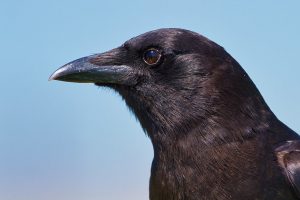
column 288, row 155
column 213, row 135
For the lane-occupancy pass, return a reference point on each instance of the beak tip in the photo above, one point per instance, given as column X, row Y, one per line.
column 50, row 78
column 58, row 73
column 53, row 77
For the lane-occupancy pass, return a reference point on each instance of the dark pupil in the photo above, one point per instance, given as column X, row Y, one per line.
column 151, row 56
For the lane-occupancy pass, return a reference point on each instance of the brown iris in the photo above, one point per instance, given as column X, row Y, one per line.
column 152, row 56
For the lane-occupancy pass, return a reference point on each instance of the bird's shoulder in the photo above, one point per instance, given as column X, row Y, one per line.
column 288, row 157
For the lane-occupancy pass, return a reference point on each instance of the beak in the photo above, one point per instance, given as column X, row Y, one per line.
column 98, row 68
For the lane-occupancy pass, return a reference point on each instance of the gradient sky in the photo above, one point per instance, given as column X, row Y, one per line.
column 68, row 141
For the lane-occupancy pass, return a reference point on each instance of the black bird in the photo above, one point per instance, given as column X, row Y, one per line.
column 213, row 135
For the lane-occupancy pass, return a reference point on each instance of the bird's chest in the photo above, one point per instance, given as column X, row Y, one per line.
column 203, row 175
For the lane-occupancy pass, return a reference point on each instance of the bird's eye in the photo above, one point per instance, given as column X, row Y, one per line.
column 152, row 56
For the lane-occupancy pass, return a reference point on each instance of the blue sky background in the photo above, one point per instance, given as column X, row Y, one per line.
column 68, row 141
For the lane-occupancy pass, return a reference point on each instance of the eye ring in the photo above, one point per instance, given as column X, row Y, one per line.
column 152, row 56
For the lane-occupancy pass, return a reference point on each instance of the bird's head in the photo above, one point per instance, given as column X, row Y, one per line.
column 174, row 80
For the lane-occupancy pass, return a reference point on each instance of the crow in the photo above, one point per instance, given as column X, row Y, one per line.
column 214, row 137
